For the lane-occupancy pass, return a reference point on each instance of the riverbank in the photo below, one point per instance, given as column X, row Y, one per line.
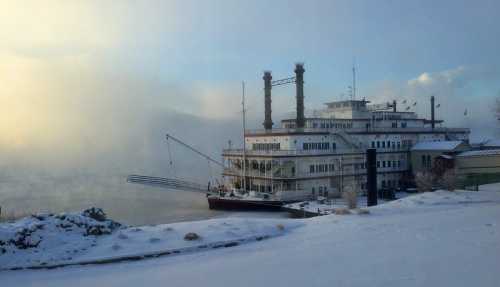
column 431, row 239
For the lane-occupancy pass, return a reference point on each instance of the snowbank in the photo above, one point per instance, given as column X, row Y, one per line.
column 47, row 240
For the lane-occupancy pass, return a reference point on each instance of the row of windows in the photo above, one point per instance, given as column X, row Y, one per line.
column 321, row 168
column 395, row 125
column 393, row 145
column 266, row 146
column 393, row 164
column 426, row 161
column 333, row 125
column 318, row 146
column 318, row 168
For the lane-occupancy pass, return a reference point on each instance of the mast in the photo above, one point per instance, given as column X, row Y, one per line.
column 244, row 138
column 354, row 81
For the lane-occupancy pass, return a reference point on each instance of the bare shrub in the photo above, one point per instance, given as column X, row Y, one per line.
column 449, row 180
column 351, row 196
column 342, row 211
column 423, row 180
column 9, row 216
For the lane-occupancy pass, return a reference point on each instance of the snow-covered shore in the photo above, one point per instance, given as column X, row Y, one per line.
column 431, row 239
column 70, row 239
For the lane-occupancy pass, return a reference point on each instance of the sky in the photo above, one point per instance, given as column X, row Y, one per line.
column 87, row 82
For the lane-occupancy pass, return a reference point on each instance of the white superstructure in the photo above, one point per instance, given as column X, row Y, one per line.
column 327, row 155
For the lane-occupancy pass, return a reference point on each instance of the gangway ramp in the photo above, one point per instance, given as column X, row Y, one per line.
column 166, row 183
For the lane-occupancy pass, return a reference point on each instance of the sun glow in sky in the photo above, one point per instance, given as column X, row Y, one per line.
column 75, row 74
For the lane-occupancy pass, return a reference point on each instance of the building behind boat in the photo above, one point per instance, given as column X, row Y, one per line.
column 324, row 155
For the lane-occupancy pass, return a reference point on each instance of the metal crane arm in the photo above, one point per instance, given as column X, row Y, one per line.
column 194, row 150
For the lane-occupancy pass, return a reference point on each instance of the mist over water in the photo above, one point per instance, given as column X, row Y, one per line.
column 128, row 203
column 32, row 182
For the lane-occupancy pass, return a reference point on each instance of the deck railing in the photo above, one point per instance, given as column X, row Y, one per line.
column 355, row 130
column 281, row 152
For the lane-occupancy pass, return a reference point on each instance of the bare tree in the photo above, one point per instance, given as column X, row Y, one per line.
column 350, row 195
column 449, row 180
column 423, row 180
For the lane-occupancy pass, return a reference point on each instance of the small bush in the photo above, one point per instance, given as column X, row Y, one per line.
column 423, row 180
column 351, row 198
column 449, row 180
column 342, row 211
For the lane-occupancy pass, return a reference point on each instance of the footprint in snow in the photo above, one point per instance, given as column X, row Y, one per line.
column 122, row 236
column 154, row 240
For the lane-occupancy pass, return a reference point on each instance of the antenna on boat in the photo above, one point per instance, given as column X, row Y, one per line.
column 354, row 79
column 244, row 130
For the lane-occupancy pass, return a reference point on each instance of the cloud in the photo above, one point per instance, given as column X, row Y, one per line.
column 455, row 90
column 457, row 77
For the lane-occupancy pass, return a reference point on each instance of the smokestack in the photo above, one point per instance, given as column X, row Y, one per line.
column 268, row 122
column 432, row 112
column 299, row 82
column 394, row 105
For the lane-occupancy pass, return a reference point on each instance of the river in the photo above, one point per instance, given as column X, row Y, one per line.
column 128, row 203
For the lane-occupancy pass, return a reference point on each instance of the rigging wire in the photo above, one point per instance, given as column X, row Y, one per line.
column 170, row 159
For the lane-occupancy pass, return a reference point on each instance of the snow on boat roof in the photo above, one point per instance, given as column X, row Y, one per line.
column 436, row 145
column 480, row 152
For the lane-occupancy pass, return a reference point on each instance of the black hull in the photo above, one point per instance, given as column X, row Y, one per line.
column 236, row 204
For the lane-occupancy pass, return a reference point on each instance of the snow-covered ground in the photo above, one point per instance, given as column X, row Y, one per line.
column 430, row 239
column 328, row 206
column 68, row 239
